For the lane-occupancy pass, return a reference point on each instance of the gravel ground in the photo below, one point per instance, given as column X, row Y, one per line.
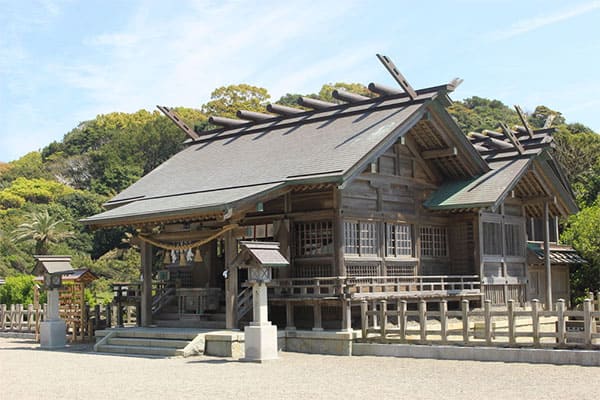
column 26, row 372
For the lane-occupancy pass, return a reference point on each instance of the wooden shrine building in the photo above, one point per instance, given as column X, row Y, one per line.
column 379, row 197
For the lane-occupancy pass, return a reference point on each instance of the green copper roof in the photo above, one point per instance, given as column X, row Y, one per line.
column 486, row 190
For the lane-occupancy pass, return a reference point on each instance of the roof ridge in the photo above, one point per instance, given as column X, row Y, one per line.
column 305, row 115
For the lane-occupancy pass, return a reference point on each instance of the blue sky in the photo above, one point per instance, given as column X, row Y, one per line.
column 63, row 62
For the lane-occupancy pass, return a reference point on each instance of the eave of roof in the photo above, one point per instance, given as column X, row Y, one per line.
column 487, row 190
column 559, row 254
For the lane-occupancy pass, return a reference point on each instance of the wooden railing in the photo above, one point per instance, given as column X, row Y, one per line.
column 244, row 302
column 442, row 285
column 197, row 300
column 20, row 318
column 358, row 288
column 307, row 287
column 489, row 326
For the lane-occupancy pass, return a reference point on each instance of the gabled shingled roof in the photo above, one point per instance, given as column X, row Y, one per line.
column 227, row 167
column 511, row 162
column 487, row 190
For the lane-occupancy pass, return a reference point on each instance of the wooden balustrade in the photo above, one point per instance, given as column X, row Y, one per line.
column 375, row 286
column 384, row 321
column 306, row 287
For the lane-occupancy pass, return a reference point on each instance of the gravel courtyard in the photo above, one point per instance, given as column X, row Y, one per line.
column 26, row 372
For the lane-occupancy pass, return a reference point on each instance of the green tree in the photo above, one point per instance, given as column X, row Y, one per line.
column 477, row 113
column 579, row 155
column 539, row 116
column 582, row 232
column 37, row 190
column 227, row 100
column 291, row 100
column 326, row 90
column 17, row 290
column 42, row 229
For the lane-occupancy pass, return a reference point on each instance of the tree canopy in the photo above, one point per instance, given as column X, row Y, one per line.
column 51, row 190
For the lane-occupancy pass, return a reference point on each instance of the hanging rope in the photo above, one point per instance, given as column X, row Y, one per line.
column 185, row 246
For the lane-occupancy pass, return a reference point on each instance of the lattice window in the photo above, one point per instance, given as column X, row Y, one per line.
column 515, row 270
column 492, row 238
column 312, row 270
column 362, row 269
column 515, row 242
column 407, row 269
column 492, row 270
column 314, row 238
column 368, row 238
column 351, row 237
column 360, row 238
column 399, row 240
column 434, row 241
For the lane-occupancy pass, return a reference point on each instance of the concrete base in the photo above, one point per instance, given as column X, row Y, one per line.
column 260, row 342
column 319, row 342
column 441, row 352
column 224, row 344
column 53, row 334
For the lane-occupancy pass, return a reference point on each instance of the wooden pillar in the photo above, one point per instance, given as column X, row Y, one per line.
column 289, row 315
column 318, row 317
column 338, row 234
column 479, row 260
column 146, row 254
column 231, row 284
column 346, row 315
column 282, row 235
column 503, row 262
column 547, row 257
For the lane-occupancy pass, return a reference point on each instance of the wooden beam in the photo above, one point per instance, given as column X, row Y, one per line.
column 412, row 146
column 389, row 65
column 512, row 138
column 538, row 200
column 180, row 124
column 524, row 121
column 440, row 153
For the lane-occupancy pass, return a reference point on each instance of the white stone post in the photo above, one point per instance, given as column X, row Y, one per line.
column 260, row 337
column 53, row 330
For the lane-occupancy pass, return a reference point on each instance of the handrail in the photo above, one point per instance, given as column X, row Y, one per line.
column 244, row 302
column 359, row 285
column 161, row 299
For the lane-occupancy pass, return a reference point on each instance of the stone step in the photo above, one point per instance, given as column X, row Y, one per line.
column 152, row 333
column 143, row 342
column 190, row 323
column 140, row 350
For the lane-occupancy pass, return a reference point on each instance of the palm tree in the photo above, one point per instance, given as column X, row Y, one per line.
column 43, row 229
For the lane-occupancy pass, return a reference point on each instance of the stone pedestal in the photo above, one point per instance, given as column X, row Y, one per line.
column 53, row 331
column 260, row 342
column 53, row 334
column 260, row 337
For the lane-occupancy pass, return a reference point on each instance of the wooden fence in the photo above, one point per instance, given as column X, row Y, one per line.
column 27, row 319
column 19, row 318
column 507, row 327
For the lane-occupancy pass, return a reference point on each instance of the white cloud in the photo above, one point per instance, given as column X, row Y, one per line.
column 179, row 60
column 530, row 24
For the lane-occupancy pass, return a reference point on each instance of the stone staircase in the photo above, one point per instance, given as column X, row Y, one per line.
column 169, row 318
column 162, row 342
